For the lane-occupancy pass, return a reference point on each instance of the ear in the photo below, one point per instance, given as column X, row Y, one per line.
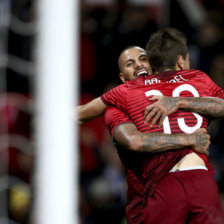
column 180, row 63
column 122, row 77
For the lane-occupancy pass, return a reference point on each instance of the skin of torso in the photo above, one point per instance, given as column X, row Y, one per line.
column 190, row 160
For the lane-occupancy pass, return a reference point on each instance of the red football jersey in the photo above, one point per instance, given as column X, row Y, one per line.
column 132, row 97
column 132, row 163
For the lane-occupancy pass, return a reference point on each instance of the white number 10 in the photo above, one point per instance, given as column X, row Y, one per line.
column 176, row 92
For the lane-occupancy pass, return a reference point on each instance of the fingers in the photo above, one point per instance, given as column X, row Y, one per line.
column 147, row 110
column 150, row 110
column 153, row 98
column 203, row 141
column 162, row 118
column 202, row 130
column 156, row 113
column 150, row 115
column 155, row 118
column 206, row 151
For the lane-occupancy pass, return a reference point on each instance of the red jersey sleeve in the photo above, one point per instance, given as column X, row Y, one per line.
column 213, row 89
column 114, row 117
column 116, row 97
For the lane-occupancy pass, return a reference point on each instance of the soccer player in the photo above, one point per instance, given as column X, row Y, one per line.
column 178, row 185
column 132, row 63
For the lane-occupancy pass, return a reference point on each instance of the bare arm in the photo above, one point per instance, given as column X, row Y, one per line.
column 91, row 110
column 129, row 137
column 209, row 106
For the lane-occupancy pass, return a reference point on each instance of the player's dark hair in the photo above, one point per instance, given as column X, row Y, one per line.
column 130, row 46
column 164, row 47
column 126, row 48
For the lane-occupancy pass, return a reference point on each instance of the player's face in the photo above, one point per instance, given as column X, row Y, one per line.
column 134, row 62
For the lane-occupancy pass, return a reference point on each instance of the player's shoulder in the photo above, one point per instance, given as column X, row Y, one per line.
column 120, row 87
column 136, row 82
column 193, row 73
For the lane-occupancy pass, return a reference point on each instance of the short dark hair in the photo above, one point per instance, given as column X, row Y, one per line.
column 164, row 47
column 126, row 48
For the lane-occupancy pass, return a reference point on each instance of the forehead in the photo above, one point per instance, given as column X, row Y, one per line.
column 132, row 53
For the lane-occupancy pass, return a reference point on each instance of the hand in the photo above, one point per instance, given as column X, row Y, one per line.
column 160, row 109
column 202, row 141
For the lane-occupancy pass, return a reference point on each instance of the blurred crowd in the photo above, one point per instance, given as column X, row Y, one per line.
column 106, row 27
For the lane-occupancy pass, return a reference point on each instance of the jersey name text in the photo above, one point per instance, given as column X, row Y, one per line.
column 175, row 79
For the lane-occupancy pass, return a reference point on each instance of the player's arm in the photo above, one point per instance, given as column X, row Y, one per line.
column 91, row 110
column 210, row 106
column 163, row 106
column 96, row 107
column 129, row 137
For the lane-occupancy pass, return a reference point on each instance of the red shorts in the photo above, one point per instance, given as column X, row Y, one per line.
column 185, row 197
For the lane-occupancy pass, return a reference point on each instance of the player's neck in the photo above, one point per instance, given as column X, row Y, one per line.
column 164, row 70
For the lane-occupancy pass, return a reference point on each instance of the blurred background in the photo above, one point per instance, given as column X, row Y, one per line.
column 106, row 27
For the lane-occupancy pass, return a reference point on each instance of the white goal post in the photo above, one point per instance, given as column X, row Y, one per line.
column 57, row 49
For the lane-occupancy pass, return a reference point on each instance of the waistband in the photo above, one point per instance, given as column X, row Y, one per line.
column 189, row 168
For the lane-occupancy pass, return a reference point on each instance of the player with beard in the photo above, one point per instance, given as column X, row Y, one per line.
column 178, row 185
column 132, row 63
